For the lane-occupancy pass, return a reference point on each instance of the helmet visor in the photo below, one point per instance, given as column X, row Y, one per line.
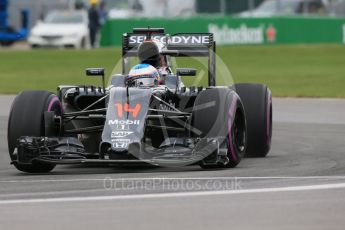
column 143, row 82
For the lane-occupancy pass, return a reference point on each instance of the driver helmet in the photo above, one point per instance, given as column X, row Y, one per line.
column 93, row 2
column 143, row 75
column 149, row 52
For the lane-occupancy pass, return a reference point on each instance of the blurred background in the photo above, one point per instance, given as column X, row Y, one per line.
column 183, row 8
column 232, row 21
column 296, row 47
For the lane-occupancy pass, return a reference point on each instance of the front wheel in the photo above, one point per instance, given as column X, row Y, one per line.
column 257, row 102
column 219, row 113
column 27, row 119
column 83, row 43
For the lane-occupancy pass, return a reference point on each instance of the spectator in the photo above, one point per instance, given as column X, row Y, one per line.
column 43, row 12
column 94, row 22
column 137, row 6
column 79, row 5
column 103, row 14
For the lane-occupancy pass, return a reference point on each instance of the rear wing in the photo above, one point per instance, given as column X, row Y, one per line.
column 182, row 45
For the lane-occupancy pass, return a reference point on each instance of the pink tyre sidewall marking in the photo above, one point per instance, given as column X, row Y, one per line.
column 54, row 100
column 231, row 117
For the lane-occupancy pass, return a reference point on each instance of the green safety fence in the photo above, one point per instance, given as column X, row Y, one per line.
column 234, row 30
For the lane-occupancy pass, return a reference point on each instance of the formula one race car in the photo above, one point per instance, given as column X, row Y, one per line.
column 146, row 114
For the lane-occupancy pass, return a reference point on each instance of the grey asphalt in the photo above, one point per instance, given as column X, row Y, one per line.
column 307, row 152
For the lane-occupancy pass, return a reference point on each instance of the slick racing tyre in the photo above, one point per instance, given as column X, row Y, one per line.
column 219, row 112
column 27, row 119
column 257, row 102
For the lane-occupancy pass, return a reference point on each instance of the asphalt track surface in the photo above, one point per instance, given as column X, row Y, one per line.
column 299, row 185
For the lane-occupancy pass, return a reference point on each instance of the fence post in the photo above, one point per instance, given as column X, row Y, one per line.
column 223, row 7
column 251, row 6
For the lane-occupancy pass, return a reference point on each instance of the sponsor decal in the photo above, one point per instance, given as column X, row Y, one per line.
column 172, row 40
column 241, row 35
column 120, row 134
column 271, row 33
column 120, row 143
column 121, row 127
column 121, row 108
column 123, row 122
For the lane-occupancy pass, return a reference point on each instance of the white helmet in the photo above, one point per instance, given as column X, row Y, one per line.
column 143, row 75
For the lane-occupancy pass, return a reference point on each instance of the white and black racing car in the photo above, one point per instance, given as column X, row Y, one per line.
column 145, row 115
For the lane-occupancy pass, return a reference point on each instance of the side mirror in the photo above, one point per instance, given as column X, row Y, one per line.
column 185, row 72
column 97, row 72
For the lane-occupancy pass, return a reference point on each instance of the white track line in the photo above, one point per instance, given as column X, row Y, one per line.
column 174, row 195
column 178, row 178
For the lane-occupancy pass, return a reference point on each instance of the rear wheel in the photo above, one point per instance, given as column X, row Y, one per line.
column 219, row 112
column 6, row 43
column 27, row 119
column 34, row 46
column 257, row 102
column 83, row 43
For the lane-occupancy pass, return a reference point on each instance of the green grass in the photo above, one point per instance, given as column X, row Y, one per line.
column 295, row 71
column 46, row 69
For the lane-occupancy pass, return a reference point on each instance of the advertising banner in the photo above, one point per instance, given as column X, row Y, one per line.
column 238, row 31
